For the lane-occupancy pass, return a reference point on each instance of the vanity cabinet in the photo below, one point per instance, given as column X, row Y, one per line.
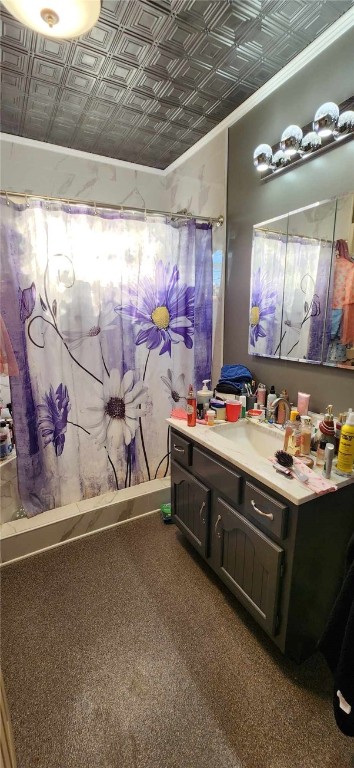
column 283, row 562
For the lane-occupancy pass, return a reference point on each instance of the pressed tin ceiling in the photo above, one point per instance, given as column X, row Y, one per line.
column 152, row 77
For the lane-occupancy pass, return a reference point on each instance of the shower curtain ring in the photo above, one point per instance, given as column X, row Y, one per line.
column 7, row 199
column 145, row 216
column 95, row 209
column 27, row 203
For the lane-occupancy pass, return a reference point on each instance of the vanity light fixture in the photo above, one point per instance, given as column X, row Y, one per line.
column 326, row 119
column 62, row 19
column 330, row 124
column 290, row 140
column 262, row 157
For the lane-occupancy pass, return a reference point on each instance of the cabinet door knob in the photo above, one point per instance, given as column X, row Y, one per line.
column 201, row 512
column 264, row 514
column 177, row 448
column 216, row 525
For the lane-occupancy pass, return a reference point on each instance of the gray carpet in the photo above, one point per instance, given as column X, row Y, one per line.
column 124, row 651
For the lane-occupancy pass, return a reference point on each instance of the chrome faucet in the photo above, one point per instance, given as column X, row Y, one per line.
column 275, row 404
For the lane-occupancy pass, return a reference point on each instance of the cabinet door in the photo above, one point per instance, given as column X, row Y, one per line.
column 249, row 563
column 190, row 507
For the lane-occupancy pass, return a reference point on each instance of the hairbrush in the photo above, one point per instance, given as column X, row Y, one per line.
column 286, row 460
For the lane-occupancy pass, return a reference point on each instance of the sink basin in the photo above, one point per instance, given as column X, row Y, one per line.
column 252, row 439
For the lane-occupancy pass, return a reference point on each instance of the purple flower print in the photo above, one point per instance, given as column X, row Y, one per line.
column 54, row 417
column 262, row 305
column 164, row 308
column 27, row 300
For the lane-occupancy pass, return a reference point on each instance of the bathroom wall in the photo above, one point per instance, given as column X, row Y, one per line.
column 44, row 169
column 328, row 77
column 199, row 184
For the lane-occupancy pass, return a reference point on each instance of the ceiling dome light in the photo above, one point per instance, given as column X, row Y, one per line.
column 290, row 140
column 325, row 119
column 345, row 124
column 279, row 159
column 56, row 18
column 310, row 142
column 262, row 157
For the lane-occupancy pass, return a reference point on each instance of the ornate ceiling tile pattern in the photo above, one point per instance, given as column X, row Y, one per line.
column 153, row 76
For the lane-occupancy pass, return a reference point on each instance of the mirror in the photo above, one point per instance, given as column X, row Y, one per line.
column 302, row 285
column 339, row 339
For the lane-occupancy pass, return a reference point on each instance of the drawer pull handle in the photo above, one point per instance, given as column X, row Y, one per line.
column 216, row 525
column 264, row 514
column 201, row 512
column 176, row 448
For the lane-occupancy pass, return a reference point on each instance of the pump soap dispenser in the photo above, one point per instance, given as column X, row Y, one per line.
column 204, row 395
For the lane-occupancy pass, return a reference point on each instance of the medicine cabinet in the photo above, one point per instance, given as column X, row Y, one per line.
column 302, row 285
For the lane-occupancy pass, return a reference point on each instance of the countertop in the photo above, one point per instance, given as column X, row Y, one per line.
column 261, row 469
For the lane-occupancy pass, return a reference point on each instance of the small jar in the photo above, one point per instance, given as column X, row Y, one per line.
column 210, row 417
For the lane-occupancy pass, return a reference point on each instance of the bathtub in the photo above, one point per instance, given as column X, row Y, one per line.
column 10, row 504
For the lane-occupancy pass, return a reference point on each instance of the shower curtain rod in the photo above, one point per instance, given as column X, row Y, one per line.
column 219, row 220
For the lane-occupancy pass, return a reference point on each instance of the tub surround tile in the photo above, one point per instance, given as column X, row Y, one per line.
column 27, row 536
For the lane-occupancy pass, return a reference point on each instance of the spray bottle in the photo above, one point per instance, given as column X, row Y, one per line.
column 191, row 407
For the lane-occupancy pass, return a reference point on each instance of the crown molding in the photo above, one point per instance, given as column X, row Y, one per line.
column 68, row 152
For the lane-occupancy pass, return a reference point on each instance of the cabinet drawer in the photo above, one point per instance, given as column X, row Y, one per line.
column 266, row 511
column 225, row 480
column 181, row 450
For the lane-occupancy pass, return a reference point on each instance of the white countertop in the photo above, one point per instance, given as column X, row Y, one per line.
column 262, row 468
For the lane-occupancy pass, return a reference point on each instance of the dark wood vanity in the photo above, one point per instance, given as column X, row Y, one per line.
column 283, row 561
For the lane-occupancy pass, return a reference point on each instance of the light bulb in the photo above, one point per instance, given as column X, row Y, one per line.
column 290, row 140
column 262, row 157
column 310, row 142
column 326, row 119
column 345, row 124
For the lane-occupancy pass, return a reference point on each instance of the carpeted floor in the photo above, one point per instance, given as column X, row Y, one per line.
column 124, row 651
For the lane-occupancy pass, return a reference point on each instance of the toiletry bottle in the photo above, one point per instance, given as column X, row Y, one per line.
column 326, row 427
column 261, row 394
column 281, row 408
column 203, row 396
column 320, row 453
column 289, row 428
column 243, row 406
column 303, row 401
column 294, row 444
column 306, row 431
column 191, row 407
column 294, row 413
column 328, row 460
column 337, row 432
column 271, row 397
column 346, row 448
column 210, row 417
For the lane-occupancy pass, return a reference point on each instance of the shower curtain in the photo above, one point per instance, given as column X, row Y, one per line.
column 110, row 319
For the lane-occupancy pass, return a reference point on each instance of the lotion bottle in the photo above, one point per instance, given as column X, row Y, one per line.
column 346, row 447
column 271, row 397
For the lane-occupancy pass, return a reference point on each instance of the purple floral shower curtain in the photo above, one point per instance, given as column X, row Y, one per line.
column 110, row 318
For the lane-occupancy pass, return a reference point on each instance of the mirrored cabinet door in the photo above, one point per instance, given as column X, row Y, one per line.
column 307, row 273
column 267, row 284
column 302, row 285
column 339, row 338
